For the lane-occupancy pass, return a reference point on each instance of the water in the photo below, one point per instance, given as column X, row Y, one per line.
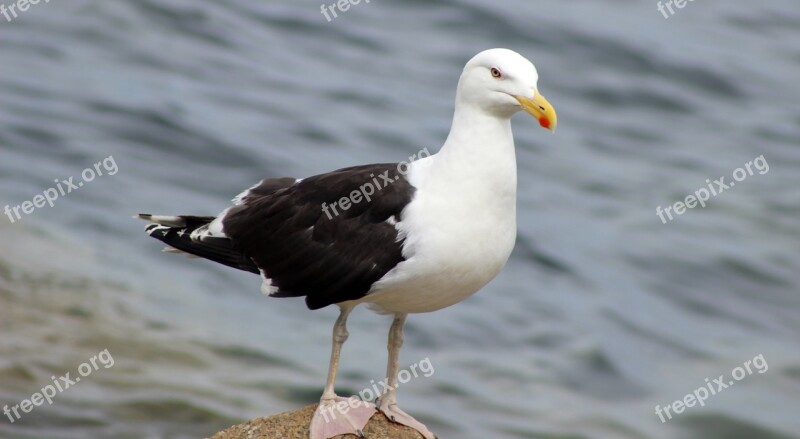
column 603, row 311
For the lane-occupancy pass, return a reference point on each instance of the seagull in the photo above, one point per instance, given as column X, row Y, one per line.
column 401, row 238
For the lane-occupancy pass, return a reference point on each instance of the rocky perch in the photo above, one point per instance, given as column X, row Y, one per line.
column 295, row 425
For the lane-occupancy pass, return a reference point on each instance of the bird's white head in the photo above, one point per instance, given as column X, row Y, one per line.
column 502, row 82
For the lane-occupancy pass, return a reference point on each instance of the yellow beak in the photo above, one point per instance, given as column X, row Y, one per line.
column 541, row 109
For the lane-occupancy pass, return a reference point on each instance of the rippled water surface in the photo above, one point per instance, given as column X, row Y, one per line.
column 603, row 311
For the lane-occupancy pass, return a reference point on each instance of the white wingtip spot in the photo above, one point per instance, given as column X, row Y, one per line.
column 152, row 228
column 266, row 286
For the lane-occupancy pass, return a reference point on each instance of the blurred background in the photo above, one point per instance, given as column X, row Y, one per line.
column 603, row 311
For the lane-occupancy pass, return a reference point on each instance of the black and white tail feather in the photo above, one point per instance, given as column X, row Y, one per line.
column 184, row 234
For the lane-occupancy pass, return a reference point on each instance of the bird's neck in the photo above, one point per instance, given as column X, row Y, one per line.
column 480, row 149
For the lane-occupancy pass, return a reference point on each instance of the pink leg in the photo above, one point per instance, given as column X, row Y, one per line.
column 336, row 415
column 388, row 402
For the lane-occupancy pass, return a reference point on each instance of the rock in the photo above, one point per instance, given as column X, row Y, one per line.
column 295, row 425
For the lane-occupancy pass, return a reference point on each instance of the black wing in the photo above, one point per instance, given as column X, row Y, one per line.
column 330, row 254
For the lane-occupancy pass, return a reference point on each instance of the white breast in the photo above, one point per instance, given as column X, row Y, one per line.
column 459, row 230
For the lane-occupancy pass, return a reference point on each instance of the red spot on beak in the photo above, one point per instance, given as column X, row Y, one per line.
column 544, row 122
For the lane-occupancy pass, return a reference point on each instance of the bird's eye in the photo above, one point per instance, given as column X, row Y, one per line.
column 496, row 73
